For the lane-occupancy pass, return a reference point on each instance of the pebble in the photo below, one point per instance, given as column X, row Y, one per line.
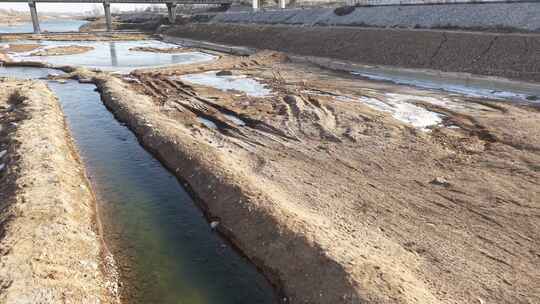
column 214, row 225
column 441, row 181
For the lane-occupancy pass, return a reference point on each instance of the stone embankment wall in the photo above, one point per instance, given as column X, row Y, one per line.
column 490, row 17
column 515, row 56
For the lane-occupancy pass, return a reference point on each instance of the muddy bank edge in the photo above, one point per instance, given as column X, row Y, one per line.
column 51, row 247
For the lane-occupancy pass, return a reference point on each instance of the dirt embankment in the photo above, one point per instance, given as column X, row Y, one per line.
column 337, row 199
column 50, row 247
column 507, row 55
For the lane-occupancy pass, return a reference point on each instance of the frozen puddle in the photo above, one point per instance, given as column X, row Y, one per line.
column 466, row 87
column 235, row 120
column 114, row 55
column 208, row 123
column 403, row 111
column 241, row 83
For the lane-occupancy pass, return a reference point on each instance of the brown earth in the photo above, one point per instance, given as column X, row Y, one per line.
column 50, row 246
column 338, row 202
column 508, row 55
column 63, row 50
column 16, row 48
column 21, row 48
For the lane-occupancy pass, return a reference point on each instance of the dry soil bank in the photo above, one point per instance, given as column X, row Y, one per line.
column 50, row 248
column 340, row 203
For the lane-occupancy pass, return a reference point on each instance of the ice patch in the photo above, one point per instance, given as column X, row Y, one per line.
column 441, row 102
column 406, row 112
column 471, row 91
column 235, row 119
column 225, row 83
column 210, row 124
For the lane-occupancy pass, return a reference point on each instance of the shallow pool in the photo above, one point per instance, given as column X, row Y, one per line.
column 115, row 55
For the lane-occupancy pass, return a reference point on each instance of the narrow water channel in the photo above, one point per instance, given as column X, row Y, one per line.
column 166, row 250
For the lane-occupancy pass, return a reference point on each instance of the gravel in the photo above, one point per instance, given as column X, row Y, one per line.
column 492, row 16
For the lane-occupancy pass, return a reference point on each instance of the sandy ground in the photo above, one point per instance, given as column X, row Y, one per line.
column 21, row 48
column 339, row 201
column 63, row 50
column 51, row 251
column 16, row 48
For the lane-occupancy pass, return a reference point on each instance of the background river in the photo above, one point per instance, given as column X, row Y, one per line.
column 56, row 25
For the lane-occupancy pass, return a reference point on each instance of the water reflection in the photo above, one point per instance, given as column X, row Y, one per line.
column 112, row 49
column 117, row 56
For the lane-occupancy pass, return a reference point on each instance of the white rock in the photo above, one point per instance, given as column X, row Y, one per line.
column 2, row 166
column 214, row 224
column 3, row 153
column 441, row 181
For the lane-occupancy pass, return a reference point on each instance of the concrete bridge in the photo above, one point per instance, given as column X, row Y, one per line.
column 171, row 7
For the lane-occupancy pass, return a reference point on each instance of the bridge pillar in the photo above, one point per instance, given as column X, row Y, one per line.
column 256, row 5
column 35, row 20
column 171, row 8
column 108, row 18
column 282, row 4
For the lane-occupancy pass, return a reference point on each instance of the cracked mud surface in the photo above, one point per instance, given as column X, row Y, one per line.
column 339, row 202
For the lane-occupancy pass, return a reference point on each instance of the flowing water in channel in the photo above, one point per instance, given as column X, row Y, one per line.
column 165, row 248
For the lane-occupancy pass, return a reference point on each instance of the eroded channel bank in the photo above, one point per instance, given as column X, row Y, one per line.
column 51, row 245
